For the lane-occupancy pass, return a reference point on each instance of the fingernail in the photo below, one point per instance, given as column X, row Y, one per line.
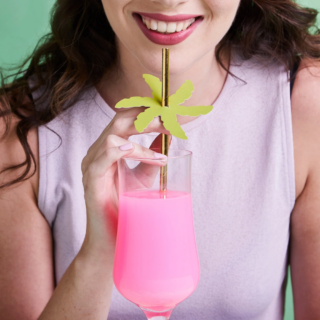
column 159, row 155
column 126, row 147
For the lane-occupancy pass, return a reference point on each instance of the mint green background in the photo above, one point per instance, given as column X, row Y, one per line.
column 23, row 22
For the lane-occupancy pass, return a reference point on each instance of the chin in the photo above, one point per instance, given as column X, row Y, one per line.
column 179, row 62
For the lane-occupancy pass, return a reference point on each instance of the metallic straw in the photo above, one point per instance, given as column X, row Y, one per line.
column 165, row 103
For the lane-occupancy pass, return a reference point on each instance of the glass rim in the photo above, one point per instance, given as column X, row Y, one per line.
column 185, row 155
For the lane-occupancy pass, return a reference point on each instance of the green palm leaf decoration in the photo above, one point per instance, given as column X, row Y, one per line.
column 144, row 118
column 155, row 85
column 170, row 122
column 182, row 94
column 137, row 102
column 169, row 113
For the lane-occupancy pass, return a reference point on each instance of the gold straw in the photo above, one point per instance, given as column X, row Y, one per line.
column 165, row 103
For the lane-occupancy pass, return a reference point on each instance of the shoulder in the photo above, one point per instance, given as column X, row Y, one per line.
column 13, row 153
column 305, row 222
column 306, row 122
column 306, row 88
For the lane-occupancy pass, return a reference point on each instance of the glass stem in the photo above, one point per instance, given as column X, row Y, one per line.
column 157, row 315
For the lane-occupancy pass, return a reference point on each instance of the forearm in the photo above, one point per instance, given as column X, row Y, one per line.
column 84, row 291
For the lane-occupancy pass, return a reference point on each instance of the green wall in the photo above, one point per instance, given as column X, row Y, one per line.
column 310, row 3
column 23, row 22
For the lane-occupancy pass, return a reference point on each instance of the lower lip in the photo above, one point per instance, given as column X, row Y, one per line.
column 166, row 39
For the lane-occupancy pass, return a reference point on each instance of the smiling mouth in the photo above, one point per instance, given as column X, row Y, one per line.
column 167, row 30
column 167, row 27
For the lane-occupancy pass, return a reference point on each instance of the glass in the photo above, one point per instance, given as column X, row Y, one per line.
column 156, row 261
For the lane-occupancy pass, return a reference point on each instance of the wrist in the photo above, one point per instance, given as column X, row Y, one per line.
column 98, row 251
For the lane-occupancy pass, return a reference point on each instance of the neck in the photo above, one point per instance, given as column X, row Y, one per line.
column 206, row 74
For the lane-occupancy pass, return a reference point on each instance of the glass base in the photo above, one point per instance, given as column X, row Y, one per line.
column 157, row 315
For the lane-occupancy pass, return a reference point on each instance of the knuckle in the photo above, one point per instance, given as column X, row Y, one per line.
column 85, row 160
column 90, row 150
column 85, row 183
column 119, row 124
column 145, row 152
column 110, row 141
column 84, row 165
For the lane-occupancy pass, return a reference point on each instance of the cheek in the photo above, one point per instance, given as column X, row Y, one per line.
column 114, row 10
column 222, row 14
column 223, row 8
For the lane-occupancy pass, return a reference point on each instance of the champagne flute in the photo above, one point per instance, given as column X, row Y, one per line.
column 156, row 261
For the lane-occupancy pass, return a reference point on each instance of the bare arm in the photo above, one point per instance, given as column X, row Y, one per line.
column 84, row 291
column 305, row 220
column 26, row 264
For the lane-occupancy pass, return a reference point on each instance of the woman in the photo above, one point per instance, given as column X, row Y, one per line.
column 253, row 177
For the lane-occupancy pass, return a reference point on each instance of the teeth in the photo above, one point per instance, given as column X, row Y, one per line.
column 179, row 26
column 169, row 27
column 147, row 23
column 186, row 25
column 153, row 25
column 162, row 27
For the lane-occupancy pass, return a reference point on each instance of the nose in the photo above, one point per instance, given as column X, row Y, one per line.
column 170, row 3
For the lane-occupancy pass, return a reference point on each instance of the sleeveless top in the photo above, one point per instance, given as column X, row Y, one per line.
column 243, row 190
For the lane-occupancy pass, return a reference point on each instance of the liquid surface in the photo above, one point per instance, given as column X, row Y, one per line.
column 156, row 262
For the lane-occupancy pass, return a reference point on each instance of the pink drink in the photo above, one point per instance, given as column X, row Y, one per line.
column 156, row 262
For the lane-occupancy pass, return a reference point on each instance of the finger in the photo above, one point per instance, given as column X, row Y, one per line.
column 140, row 152
column 99, row 167
column 144, row 169
column 155, row 146
column 122, row 125
column 145, row 173
column 98, row 148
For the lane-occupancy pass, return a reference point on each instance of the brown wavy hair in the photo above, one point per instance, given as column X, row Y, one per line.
column 80, row 49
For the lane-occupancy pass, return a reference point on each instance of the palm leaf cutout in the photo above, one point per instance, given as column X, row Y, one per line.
column 169, row 113
column 145, row 117
column 155, row 85
column 137, row 102
column 192, row 111
column 170, row 122
column 182, row 94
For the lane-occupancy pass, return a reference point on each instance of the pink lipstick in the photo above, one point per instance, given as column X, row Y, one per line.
column 167, row 38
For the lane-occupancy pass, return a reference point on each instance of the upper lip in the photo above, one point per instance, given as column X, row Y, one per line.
column 165, row 18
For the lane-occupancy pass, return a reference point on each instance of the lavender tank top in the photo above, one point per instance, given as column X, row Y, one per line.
column 243, row 193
